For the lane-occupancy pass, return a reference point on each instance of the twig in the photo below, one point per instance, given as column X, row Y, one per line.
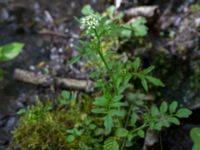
column 53, row 33
column 47, row 80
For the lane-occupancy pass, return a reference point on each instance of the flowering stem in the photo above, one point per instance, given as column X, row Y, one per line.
column 104, row 61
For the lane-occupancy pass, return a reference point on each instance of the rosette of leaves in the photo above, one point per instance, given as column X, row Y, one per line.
column 165, row 115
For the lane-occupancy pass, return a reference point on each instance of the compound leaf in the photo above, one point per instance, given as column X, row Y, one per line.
column 111, row 144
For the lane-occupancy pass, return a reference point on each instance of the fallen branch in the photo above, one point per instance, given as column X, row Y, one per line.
column 144, row 11
column 33, row 78
column 46, row 80
column 75, row 84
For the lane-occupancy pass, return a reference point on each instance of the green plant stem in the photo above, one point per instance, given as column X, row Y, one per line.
column 133, row 132
column 139, row 128
column 125, row 126
column 104, row 61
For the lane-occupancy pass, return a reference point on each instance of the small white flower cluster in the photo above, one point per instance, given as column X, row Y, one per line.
column 90, row 22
